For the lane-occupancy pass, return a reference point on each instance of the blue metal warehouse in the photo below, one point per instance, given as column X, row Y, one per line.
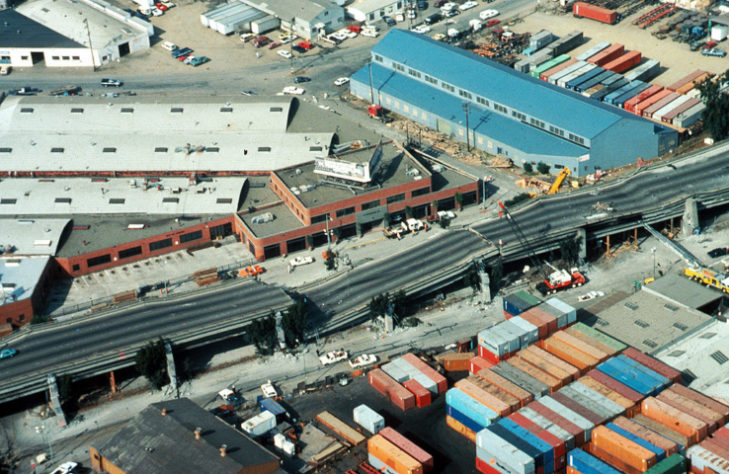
column 507, row 113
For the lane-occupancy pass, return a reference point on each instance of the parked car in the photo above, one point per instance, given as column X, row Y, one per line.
column 363, row 360
column 231, row 396
column 719, row 53
column 274, row 45
column 198, row 60
column 468, row 5
column 422, row 29
column 161, row 7
column 248, row 92
column 434, row 18
column 181, row 52
column 439, row 3
column 298, row 49
column 451, row 13
column 24, row 91
column 486, row 14
column 300, row 79
column 269, row 391
column 107, row 82
column 157, row 12
column 422, row 5
column 341, row 81
column 169, row 45
column 286, row 38
column 292, row 90
column 449, row 6
column 718, row 252
column 5, row 69
column 261, row 41
column 8, row 353
column 333, row 357
column 389, row 21
column 301, row 260
column 66, row 468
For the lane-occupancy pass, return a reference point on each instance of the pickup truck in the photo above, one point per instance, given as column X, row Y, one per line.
column 231, row 397
column 298, row 261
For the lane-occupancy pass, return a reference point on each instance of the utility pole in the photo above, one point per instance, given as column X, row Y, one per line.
column 329, row 240
column 91, row 48
column 372, row 89
column 653, row 251
column 468, row 140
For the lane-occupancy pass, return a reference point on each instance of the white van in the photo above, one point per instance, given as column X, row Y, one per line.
column 169, row 45
column 5, row 70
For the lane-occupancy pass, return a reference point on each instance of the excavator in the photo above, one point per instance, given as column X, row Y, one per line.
column 558, row 182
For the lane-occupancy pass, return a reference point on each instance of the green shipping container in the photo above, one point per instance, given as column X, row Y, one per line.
column 528, row 298
column 673, row 464
column 600, row 336
column 549, row 65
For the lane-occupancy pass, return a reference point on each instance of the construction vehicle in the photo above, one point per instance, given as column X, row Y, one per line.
column 558, row 182
column 377, row 112
column 708, row 278
column 560, row 280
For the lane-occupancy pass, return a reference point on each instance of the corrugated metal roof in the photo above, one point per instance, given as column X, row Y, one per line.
column 499, row 83
column 19, row 31
column 524, row 137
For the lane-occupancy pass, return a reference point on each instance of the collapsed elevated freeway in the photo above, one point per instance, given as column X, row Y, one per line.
column 108, row 341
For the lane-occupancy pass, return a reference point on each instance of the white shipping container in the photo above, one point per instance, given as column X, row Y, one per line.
column 368, row 418
column 550, row 426
column 531, row 334
column 570, row 311
column 260, row 424
column 415, row 374
column 395, row 372
column 278, row 440
column 265, row 25
column 701, row 458
column 570, row 415
column 491, row 446
column 601, row 402
column 516, row 331
column 719, row 32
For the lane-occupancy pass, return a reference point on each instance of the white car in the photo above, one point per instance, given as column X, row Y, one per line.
column 363, row 360
column 157, row 12
column 449, row 6
column 468, row 5
column 284, row 54
column 341, row 81
column 333, row 357
column 269, row 391
column 65, row 468
column 422, row 29
column 287, row 38
column 297, row 261
column 293, row 90
column 486, row 14
column 169, row 45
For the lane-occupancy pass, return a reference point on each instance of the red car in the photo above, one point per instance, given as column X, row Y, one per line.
column 273, row 45
column 305, row 45
column 261, row 41
column 161, row 7
column 492, row 22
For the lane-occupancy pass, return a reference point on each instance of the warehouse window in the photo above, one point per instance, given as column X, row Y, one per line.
column 171, row 199
column 76, row 58
column 57, row 150
column 117, row 201
column 396, row 198
column 191, row 236
column 413, row 72
column 127, row 110
column 370, row 205
column 275, row 109
column 226, row 109
column 160, row 244
column 160, row 149
column 378, row 58
column 177, row 110
column 100, row 260
column 77, row 110
column 447, row 87
column 264, row 149
column 482, row 101
column 319, row 219
column 26, row 110
column 345, row 212
column 224, row 201
column 398, row 66
column 465, row 94
column 212, row 149
column 518, row 115
column 63, row 200
column 315, row 148
column 501, row 108
column 6, row 150
column 430, row 79
column 55, row 58
column 131, row 252
column 420, row 192
column 8, row 201
column 109, row 149
column 66, row 58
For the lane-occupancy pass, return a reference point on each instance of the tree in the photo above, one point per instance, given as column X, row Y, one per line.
column 521, row 197
column 263, row 334
column 528, row 168
column 543, row 168
column 294, row 322
column 151, row 362
column 570, row 249
column 378, row 304
column 716, row 114
column 329, row 260
column 38, row 319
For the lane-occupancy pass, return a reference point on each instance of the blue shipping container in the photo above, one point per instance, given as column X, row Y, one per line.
column 633, row 368
column 272, row 405
column 518, row 443
column 630, row 94
column 594, row 81
column 572, row 85
column 587, row 463
column 610, row 369
column 664, row 381
column 546, row 451
column 470, row 407
column 463, row 419
column 515, row 305
column 661, row 454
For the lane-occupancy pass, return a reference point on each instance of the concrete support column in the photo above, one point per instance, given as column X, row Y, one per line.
column 582, row 240
column 112, row 382
column 55, row 399
column 171, row 370
column 690, row 221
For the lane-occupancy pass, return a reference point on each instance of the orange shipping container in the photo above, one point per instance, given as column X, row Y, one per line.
column 668, row 446
column 613, row 460
column 662, row 430
column 572, row 470
column 629, row 451
column 512, row 402
column 484, row 397
column 507, row 386
column 693, row 429
column 478, row 363
column 581, row 346
column 457, row 362
column 393, row 456
column 573, row 371
column 709, row 403
column 461, row 428
column 569, row 354
column 545, row 366
column 631, row 408
column 553, row 383
column 593, row 342
column 691, row 408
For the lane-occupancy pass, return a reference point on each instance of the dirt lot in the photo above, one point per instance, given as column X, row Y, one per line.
column 676, row 58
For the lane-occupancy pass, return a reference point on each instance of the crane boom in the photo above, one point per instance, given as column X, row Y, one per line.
column 558, row 182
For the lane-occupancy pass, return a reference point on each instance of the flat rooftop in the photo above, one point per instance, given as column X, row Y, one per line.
column 702, row 356
column 19, row 31
column 90, row 233
column 283, row 221
column 683, row 291
column 150, row 196
column 648, row 322
column 32, row 236
column 396, row 168
column 19, row 276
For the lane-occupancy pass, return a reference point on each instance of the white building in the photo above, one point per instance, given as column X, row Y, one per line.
column 307, row 19
column 370, row 11
column 231, row 17
column 82, row 33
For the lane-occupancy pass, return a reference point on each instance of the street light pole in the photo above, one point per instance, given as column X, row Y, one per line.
column 468, row 140
column 653, row 251
column 329, row 240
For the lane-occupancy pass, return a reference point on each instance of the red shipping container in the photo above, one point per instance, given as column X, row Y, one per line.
column 542, row 326
column 692, row 408
column 607, row 55
column 478, row 363
column 582, row 9
column 491, row 357
column 507, row 386
column 654, row 364
column 624, row 62
column 619, row 387
column 630, row 104
column 485, row 468
column 410, row 448
column 546, row 317
column 593, row 417
column 387, row 386
column 723, row 433
column 577, row 432
column 556, row 443
column 720, row 440
column 668, row 446
column 427, row 370
column 715, row 448
column 457, row 362
column 422, row 394
column 685, row 80
column 573, row 371
column 662, row 430
column 708, row 402
column 665, row 414
column 641, row 106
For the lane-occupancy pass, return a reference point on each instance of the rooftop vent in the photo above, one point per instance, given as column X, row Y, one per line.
column 676, row 353
column 707, row 335
column 680, row 326
column 223, row 450
column 198, row 432
column 719, row 357
column 650, row 343
column 632, row 306
column 641, row 323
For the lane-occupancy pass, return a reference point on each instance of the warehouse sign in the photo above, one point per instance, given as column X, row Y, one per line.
column 359, row 172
